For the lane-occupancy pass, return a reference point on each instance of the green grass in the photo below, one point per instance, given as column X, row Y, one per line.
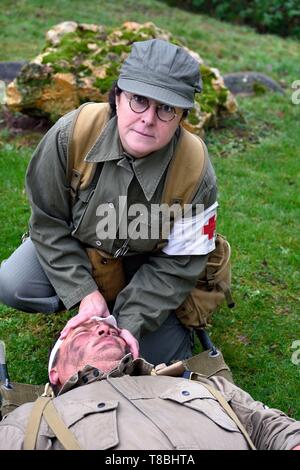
column 259, row 213
column 255, row 155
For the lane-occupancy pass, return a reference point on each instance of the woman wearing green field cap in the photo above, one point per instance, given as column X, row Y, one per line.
column 112, row 223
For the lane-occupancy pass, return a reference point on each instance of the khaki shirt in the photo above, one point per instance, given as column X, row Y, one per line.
column 120, row 412
column 61, row 232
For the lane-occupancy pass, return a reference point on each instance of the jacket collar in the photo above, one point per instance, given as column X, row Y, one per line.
column 148, row 170
column 89, row 374
column 108, row 146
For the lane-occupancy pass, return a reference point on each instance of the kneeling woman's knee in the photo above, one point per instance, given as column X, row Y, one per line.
column 8, row 290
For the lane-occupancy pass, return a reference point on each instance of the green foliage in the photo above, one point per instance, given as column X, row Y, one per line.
column 71, row 45
column 210, row 99
column 259, row 88
column 267, row 16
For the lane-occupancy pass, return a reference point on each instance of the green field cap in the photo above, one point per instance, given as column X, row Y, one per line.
column 161, row 71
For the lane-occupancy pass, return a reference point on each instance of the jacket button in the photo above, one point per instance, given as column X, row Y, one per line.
column 96, row 373
column 85, row 379
column 104, row 261
column 98, row 243
column 101, row 405
column 185, row 393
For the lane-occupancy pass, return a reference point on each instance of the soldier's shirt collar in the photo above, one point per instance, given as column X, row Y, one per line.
column 148, row 170
column 90, row 374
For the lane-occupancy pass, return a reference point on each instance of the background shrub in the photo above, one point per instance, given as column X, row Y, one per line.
column 266, row 16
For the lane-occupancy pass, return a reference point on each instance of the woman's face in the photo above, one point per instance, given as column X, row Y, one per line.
column 143, row 133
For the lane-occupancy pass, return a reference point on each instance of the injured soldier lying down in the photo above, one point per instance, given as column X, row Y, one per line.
column 104, row 399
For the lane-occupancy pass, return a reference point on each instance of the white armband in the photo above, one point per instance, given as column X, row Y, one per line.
column 193, row 235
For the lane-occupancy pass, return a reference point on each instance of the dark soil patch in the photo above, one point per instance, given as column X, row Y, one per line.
column 17, row 122
column 22, row 129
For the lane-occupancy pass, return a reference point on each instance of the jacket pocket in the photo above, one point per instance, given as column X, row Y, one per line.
column 108, row 273
column 93, row 423
column 198, row 398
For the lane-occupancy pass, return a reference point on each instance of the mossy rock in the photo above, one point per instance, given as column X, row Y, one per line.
column 80, row 62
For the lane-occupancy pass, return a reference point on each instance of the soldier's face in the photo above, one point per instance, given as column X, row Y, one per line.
column 143, row 133
column 94, row 343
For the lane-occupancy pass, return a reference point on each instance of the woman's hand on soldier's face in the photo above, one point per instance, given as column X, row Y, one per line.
column 92, row 305
column 131, row 341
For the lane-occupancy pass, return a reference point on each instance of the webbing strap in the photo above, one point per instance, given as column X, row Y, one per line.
column 186, row 169
column 88, row 123
column 63, row 434
column 227, row 293
column 44, row 407
column 230, row 412
column 34, row 422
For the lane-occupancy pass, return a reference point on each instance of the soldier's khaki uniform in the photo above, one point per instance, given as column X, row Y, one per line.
column 147, row 412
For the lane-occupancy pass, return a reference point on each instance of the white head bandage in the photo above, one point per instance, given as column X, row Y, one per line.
column 110, row 320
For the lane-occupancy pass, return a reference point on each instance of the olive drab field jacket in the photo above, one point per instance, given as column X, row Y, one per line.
column 156, row 283
column 119, row 412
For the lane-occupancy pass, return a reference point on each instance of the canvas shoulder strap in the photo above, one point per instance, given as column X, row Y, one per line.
column 34, row 422
column 230, row 413
column 44, row 407
column 88, row 123
column 63, row 434
column 186, row 169
column 185, row 173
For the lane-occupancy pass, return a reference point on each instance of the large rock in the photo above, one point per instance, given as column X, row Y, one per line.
column 80, row 62
column 250, row 83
